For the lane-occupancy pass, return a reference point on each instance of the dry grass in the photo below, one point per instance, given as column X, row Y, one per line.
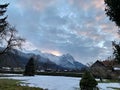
column 9, row 84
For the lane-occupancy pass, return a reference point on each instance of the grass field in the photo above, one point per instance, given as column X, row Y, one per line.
column 9, row 84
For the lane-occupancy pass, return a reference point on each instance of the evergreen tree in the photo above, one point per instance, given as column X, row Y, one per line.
column 3, row 22
column 116, row 53
column 88, row 82
column 113, row 10
column 30, row 68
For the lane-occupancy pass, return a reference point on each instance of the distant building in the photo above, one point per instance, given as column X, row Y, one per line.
column 99, row 69
column 105, row 69
column 6, row 69
column 98, row 64
column 116, row 69
column 40, row 70
column 18, row 69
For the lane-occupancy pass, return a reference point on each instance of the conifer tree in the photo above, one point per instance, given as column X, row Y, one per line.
column 88, row 82
column 30, row 68
column 3, row 22
column 116, row 53
column 112, row 10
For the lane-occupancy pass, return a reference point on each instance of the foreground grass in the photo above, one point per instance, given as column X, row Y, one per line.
column 9, row 84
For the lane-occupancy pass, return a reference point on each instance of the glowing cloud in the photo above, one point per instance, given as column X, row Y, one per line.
column 54, row 52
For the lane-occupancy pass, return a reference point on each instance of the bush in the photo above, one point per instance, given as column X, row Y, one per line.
column 30, row 68
column 88, row 82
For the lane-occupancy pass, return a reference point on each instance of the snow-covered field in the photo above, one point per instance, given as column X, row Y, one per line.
column 51, row 82
column 59, row 82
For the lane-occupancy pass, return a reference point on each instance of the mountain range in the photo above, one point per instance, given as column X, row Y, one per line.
column 16, row 58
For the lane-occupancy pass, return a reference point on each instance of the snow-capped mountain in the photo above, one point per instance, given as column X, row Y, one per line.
column 51, row 57
column 66, row 60
column 44, row 60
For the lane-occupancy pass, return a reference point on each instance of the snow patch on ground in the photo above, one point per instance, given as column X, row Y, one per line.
column 107, row 86
column 59, row 82
column 51, row 82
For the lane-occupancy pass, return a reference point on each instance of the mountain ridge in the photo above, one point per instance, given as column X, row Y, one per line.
column 65, row 60
column 43, row 60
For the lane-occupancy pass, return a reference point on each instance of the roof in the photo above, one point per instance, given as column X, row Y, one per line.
column 109, row 62
column 98, row 63
column 116, row 68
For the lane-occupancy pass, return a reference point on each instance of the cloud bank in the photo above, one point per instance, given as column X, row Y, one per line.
column 78, row 27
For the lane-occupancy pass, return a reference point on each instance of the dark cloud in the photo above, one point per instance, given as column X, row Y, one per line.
column 78, row 27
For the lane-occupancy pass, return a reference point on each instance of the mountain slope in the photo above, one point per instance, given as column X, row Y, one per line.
column 69, row 62
column 65, row 61
column 17, row 58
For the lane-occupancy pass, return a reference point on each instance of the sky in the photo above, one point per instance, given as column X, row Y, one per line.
column 77, row 27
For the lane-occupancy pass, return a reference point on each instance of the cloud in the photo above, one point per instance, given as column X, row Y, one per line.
column 78, row 27
column 54, row 52
column 37, row 5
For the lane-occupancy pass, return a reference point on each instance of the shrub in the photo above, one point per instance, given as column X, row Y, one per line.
column 88, row 82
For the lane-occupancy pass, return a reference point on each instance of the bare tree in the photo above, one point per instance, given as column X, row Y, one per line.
column 9, row 39
column 8, row 34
